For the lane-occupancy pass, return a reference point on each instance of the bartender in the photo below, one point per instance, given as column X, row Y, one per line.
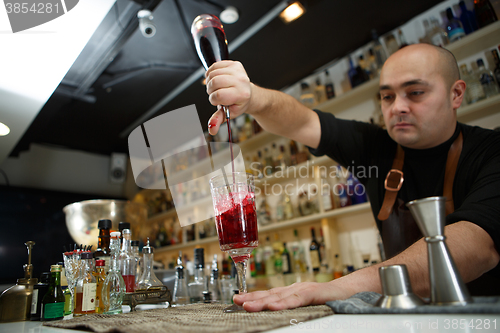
column 423, row 152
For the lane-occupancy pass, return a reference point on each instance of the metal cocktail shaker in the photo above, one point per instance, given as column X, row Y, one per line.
column 447, row 286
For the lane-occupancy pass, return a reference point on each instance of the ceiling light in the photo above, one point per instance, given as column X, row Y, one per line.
column 292, row 12
column 4, row 129
column 229, row 15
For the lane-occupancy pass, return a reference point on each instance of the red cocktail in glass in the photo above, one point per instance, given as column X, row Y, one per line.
column 236, row 221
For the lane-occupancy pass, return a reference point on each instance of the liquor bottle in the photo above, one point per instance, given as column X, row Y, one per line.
column 322, row 249
column 467, row 18
column 314, row 252
column 454, row 27
column 294, row 150
column 213, row 285
column 127, row 261
column 100, row 277
column 427, row 32
column 326, row 195
column 391, row 44
column 148, row 277
column 329, row 88
column 344, row 199
column 268, row 165
column 487, row 80
column 280, row 209
column 263, row 211
column 485, row 14
column 113, row 289
column 338, row 270
column 103, row 252
column 39, row 290
column 275, row 155
column 122, row 226
column 248, row 127
column 225, row 266
column 402, row 39
column 197, row 287
column 378, row 51
column 372, row 64
column 365, row 65
column 438, row 36
column 181, row 295
column 53, row 301
column 356, row 75
column 474, row 91
column 85, row 289
column 277, row 250
column 319, row 92
column 260, row 265
column 298, row 252
column 306, row 95
column 285, row 259
column 138, row 260
column 496, row 71
column 269, row 258
column 288, row 211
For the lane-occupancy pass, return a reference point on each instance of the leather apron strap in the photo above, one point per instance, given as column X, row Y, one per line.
column 394, row 179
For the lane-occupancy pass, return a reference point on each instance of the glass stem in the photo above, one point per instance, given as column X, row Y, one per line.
column 241, row 268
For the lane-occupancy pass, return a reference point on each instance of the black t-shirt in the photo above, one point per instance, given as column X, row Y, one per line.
column 367, row 151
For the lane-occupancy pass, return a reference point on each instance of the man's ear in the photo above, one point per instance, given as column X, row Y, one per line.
column 457, row 93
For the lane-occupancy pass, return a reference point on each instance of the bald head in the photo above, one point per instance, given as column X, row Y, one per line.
column 443, row 61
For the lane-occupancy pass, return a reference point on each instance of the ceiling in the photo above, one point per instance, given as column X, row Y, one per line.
column 121, row 75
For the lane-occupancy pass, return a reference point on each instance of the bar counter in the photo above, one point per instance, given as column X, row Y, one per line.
column 374, row 323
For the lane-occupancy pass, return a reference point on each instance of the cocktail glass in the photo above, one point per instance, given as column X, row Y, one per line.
column 236, row 221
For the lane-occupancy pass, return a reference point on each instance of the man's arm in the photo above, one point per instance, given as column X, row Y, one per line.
column 471, row 247
column 277, row 112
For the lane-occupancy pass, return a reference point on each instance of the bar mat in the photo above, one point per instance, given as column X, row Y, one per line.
column 364, row 303
column 192, row 318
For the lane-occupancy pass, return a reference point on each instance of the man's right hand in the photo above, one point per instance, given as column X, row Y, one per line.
column 227, row 84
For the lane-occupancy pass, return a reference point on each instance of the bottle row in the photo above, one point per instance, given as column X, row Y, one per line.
column 481, row 83
column 453, row 27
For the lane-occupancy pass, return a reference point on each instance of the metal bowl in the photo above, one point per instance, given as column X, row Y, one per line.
column 82, row 218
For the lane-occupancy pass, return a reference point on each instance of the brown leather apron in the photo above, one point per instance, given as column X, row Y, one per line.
column 399, row 229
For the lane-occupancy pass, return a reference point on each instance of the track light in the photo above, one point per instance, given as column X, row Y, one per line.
column 292, row 12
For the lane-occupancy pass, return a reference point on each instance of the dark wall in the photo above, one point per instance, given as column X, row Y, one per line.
column 30, row 214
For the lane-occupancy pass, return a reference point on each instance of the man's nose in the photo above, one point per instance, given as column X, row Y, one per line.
column 400, row 105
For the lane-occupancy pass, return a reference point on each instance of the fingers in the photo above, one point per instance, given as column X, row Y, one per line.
column 216, row 120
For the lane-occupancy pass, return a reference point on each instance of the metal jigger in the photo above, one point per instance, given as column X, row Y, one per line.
column 447, row 287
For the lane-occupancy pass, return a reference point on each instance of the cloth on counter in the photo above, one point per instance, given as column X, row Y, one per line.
column 192, row 318
column 364, row 303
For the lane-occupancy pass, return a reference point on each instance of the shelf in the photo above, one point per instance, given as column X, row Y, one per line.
column 296, row 222
column 475, row 42
column 479, row 109
column 466, row 47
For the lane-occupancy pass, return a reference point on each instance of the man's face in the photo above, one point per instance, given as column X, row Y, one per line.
column 416, row 101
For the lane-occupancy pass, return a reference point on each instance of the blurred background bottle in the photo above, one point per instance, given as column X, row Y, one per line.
column 487, row 79
column 454, row 27
column 53, row 301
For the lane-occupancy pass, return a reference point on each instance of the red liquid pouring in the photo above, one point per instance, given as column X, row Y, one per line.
column 211, row 45
column 237, row 227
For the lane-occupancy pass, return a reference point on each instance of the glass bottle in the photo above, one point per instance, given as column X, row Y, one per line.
column 268, row 165
column 103, row 252
column 438, row 36
column 113, row 289
column 391, row 44
column 85, row 290
column 314, row 250
column 197, row 287
column 248, row 127
column 378, row 51
column 485, row 14
column 330, row 91
column 138, row 260
column 298, row 252
column 68, row 302
column 39, row 290
column 53, row 301
column 180, row 295
column 454, row 27
column 148, row 278
column 122, row 226
column 487, row 80
column 306, row 95
column 288, row 211
column 474, row 91
column 100, row 276
column 338, row 269
column 402, row 39
column 127, row 261
column 496, row 71
column 213, row 285
column 285, row 259
column 319, row 91
column 280, row 209
column 467, row 18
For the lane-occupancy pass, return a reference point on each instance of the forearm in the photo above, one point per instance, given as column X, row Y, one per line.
column 283, row 115
column 471, row 247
